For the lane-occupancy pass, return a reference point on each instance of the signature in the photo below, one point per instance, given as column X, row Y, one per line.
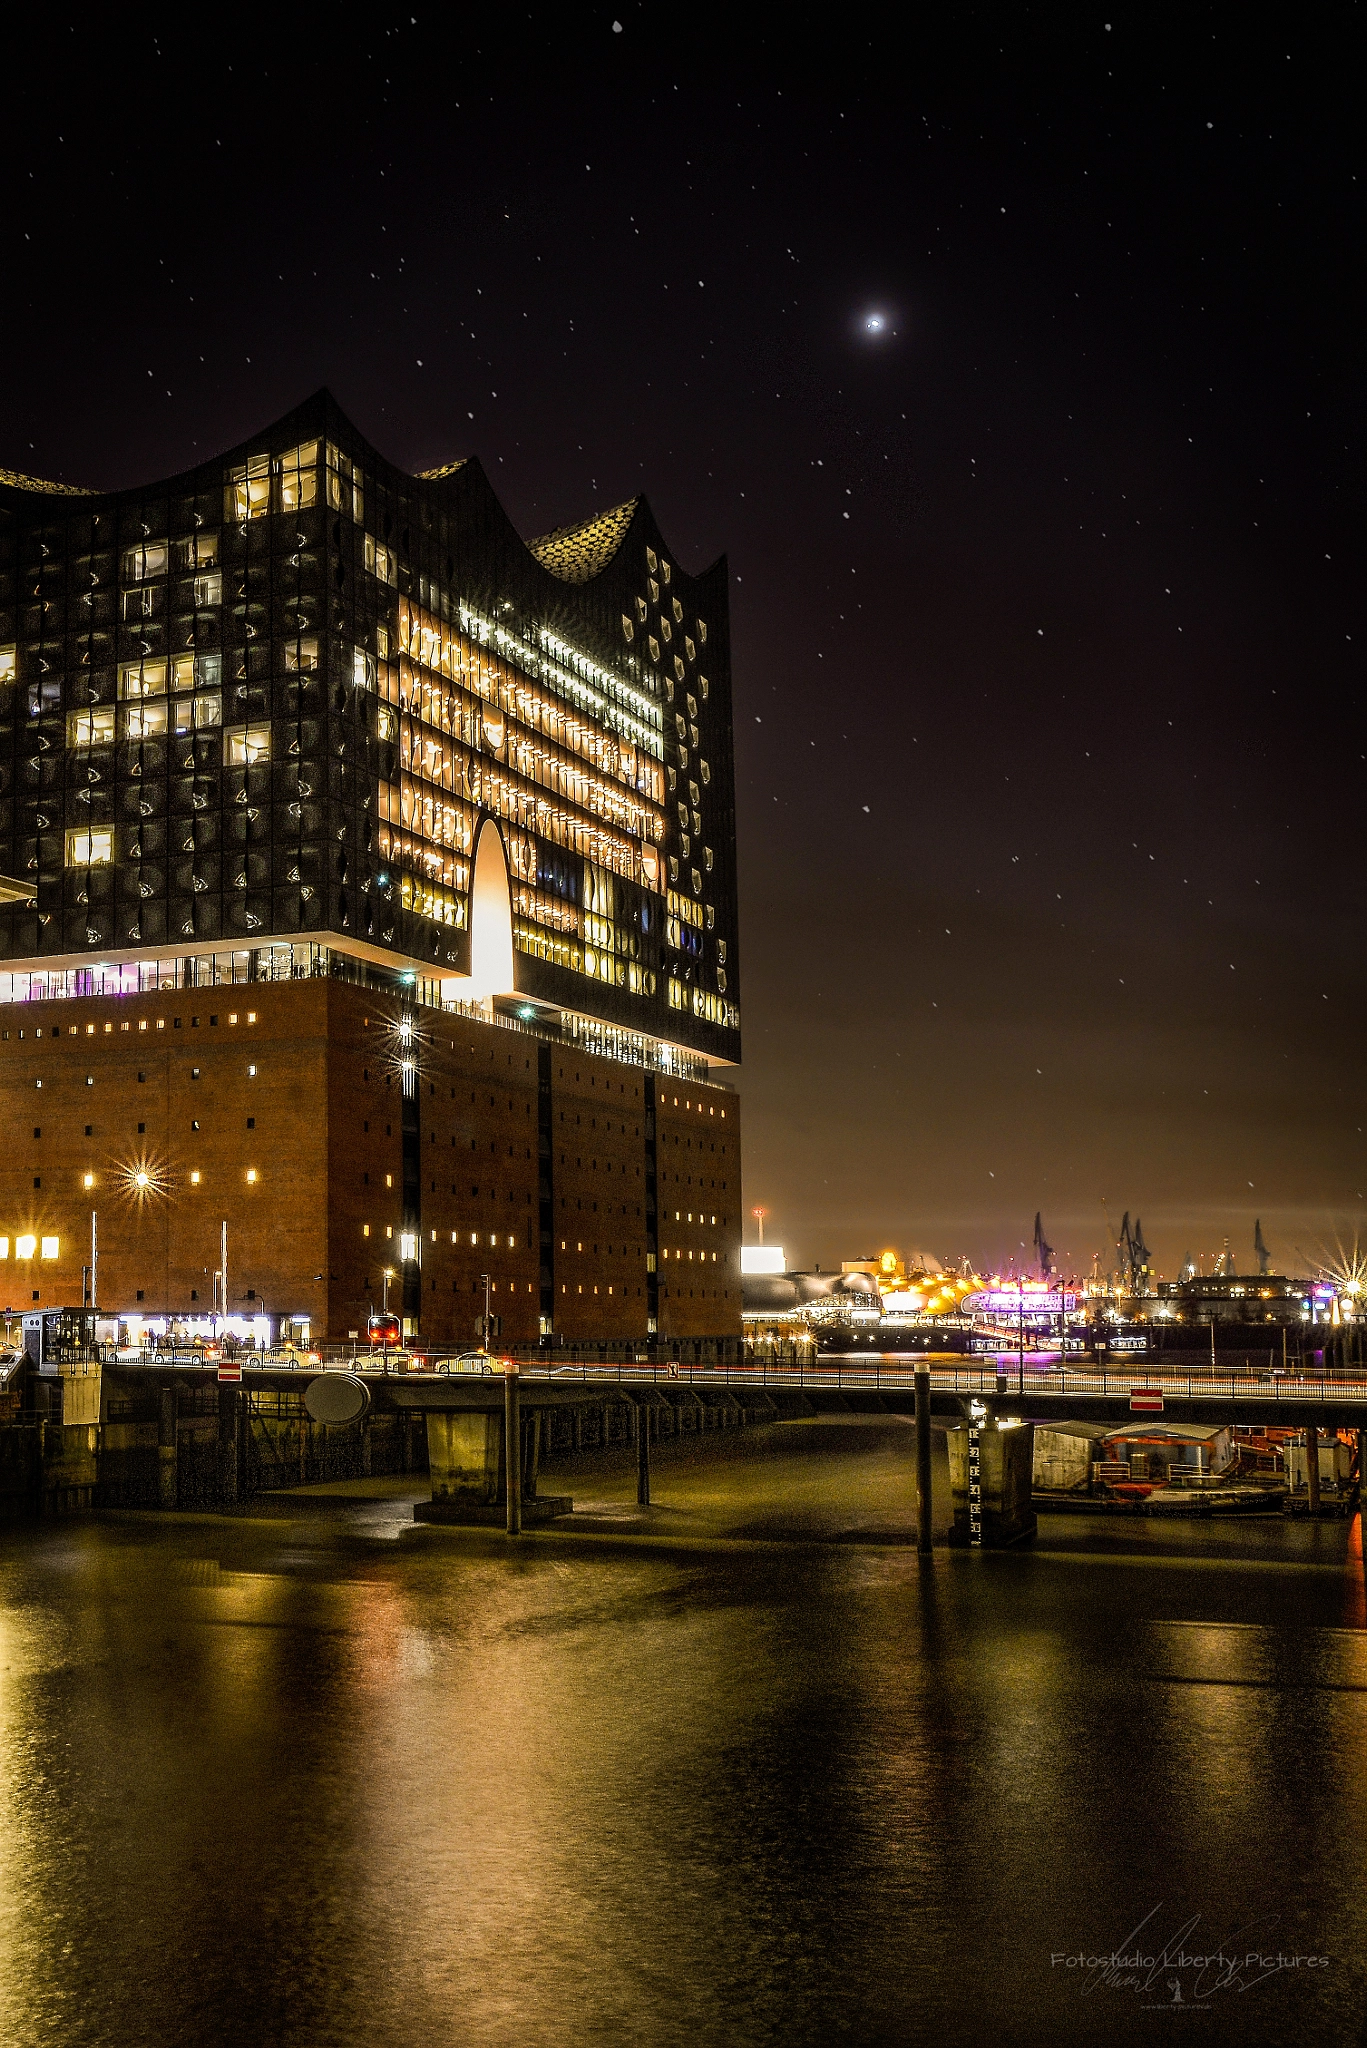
column 1180, row 1964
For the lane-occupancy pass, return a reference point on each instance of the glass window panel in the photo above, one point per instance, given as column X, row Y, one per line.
column 93, row 728
column 89, row 847
column 145, row 721
column 142, row 679
column 148, row 558
column 245, row 745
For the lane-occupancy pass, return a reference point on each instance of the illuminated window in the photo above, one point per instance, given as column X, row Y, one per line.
column 146, row 721
column 365, row 1230
column 408, row 1244
column 4, row 1247
column 25, row 1247
column 89, row 1181
column 299, row 477
column 380, row 560
column 198, row 551
column 248, row 492
column 245, row 745
column 142, row 679
column 195, row 714
column 251, row 1019
column 196, row 672
column 209, row 589
column 93, row 728
column 389, row 1180
column 89, row 847
column 7, row 661
column 301, row 654
column 251, row 1173
column 194, row 1178
column 346, row 484
column 149, row 558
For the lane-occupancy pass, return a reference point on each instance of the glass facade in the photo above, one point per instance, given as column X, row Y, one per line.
column 274, row 700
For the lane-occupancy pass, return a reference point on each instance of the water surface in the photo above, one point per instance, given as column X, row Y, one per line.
column 746, row 1772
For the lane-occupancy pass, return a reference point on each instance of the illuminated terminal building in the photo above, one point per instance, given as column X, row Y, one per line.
column 368, row 883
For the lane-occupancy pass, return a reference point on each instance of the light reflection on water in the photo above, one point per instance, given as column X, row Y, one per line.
column 321, row 1780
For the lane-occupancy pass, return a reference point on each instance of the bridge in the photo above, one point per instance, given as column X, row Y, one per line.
column 186, row 1415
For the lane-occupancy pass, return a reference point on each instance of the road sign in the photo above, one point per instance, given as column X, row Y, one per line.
column 1146, row 1400
column 229, row 1372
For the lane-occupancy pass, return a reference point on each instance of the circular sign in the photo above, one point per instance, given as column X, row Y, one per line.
column 337, row 1397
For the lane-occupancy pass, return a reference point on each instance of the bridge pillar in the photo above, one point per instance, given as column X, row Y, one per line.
column 229, row 1455
column 464, row 1454
column 512, row 1446
column 1005, row 1470
column 1312, row 1470
column 923, row 1468
column 642, row 1456
column 484, row 1465
column 167, row 1481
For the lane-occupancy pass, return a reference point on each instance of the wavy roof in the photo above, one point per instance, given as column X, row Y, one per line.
column 430, row 476
column 19, row 482
column 577, row 553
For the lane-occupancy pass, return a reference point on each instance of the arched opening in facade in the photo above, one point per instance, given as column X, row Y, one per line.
column 491, row 924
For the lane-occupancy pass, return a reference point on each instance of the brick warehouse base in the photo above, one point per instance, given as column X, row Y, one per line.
column 596, row 1195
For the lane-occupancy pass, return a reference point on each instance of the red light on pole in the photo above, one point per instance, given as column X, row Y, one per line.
column 759, row 1215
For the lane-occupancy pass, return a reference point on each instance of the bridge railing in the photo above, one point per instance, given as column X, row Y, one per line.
column 874, row 1375
column 1277, row 1389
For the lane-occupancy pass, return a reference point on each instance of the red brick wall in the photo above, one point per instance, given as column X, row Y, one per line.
column 697, row 1153
column 314, row 1230
column 163, row 1083
column 598, row 1137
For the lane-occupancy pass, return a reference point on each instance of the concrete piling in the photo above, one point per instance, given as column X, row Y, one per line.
column 923, row 1502
column 512, row 1445
column 167, row 1429
column 642, row 1456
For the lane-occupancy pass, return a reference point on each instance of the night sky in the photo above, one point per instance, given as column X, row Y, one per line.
column 1049, row 732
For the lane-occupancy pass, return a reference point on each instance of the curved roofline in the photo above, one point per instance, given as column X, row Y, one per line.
column 575, row 554
column 17, row 481
column 578, row 553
